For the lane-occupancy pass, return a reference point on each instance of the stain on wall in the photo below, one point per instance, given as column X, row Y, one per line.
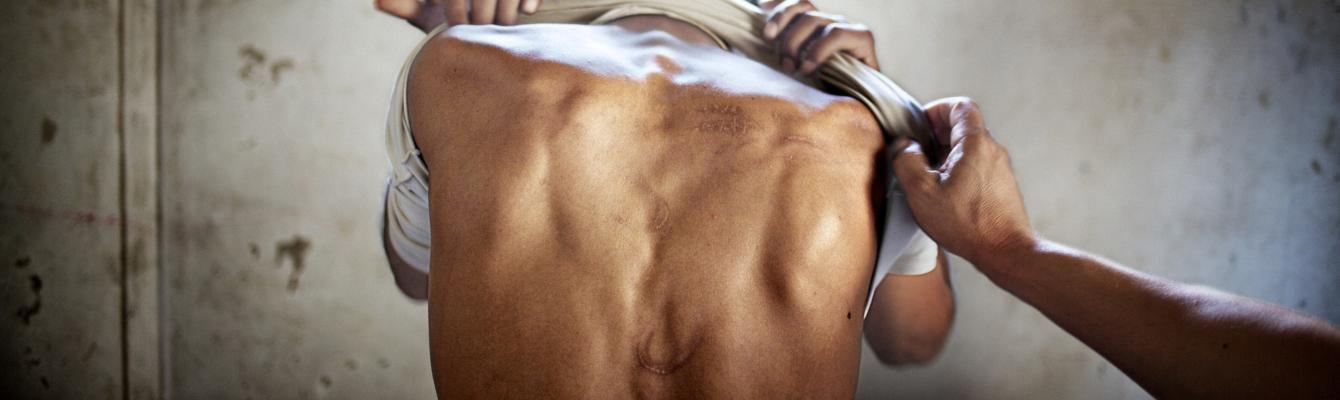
column 1330, row 134
column 26, row 313
column 48, row 130
column 259, row 71
column 59, row 226
column 295, row 251
column 273, row 163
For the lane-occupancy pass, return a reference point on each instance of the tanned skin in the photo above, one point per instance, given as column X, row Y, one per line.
column 638, row 214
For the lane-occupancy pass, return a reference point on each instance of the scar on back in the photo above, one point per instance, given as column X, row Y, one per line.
column 729, row 119
column 663, row 359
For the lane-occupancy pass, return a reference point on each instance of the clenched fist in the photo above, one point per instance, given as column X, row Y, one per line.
column 970, row 204
column 806, row 37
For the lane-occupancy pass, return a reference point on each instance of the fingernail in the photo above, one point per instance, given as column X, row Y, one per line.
column 530, row 6
column 770, row 30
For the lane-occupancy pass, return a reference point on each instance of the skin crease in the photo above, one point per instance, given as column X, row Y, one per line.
column 1176, row 340
column 721, row 247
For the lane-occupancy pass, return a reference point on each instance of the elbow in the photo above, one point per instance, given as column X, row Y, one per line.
column 911, row 351
column 910, row 341
column 415, row 289
column 412, row 282
column 911, row 317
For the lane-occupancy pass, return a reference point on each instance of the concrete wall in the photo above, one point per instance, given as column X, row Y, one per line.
column 195, row 183
column 1191, row 139
column 60, row 216
column 273, row 160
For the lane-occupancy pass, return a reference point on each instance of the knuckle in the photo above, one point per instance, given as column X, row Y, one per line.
column 807, row 17
column 795, row 41
column 847, row 32
column 916, row 179
column 969, row 105
column 815, row 14
column 834, row 29
column 998, row 151
column 974, row 142
column 850, row 31
column 793, row 7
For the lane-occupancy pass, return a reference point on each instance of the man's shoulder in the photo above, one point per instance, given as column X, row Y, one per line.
column 524, row 49
column 485, row 62
column 546, row 72
column 460, row 54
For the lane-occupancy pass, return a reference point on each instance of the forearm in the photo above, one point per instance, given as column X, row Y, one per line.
column 1164, row 334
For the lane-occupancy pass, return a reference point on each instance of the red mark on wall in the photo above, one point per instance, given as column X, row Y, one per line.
column 78, row 217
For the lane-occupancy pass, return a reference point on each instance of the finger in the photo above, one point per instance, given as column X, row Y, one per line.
column 802, row 30
column 507, row 12
column 967, row 120
column 937, row 115
column 940, row 115
column 530, row 6
column 780, row 17
column 458, row 12
column 482, row 11
column 909, row 165
column 836, row 37
column 788, row 65
column 951, row 160
column 404, row 9
column 810, row 59
column 864, row 48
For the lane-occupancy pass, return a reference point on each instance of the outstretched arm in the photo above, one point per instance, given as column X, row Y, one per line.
column 1175, row 340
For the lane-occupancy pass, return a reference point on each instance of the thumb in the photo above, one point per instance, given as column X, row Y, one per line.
column 403, row 9
column 911, row 167
column 530, row 6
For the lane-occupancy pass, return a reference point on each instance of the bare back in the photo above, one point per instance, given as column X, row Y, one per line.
column 628, row 215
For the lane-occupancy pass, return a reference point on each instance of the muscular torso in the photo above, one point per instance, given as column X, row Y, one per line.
column 620, row 214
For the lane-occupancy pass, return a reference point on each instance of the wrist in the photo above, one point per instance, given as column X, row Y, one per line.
column 1008, row 253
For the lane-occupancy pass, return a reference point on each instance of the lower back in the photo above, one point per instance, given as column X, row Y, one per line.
column 639, row 217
